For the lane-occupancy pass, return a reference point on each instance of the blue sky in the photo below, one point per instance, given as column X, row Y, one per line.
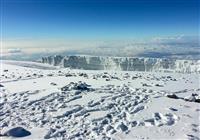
column 99, row 27
column 98, row 19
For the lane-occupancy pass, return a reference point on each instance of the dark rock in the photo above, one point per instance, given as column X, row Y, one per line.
column 107, row 79
column 83, row 74
column 82, row 86
column 197, row 100
column 134, row 77
column 77, row 86
column 194, row 94
column 50, row 74
column 144, row 84
column 105, row 76
column 169, row 77
column 105, row 121
column 158, row 85
column 17, row 132
column 173, row 109
column 68, row 75
column 109, row 116
column 53, row 84
column 41, row 75
column 172, row 96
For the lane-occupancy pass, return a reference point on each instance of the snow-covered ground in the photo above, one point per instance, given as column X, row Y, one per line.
column 62, row 103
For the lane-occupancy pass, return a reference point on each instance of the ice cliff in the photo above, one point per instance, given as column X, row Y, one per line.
column 124, row 63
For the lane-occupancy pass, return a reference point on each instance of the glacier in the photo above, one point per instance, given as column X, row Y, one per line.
column 123, row 63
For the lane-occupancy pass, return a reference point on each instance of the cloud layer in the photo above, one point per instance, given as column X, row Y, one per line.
column 175, row 46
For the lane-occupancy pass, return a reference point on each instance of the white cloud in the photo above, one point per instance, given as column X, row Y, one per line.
column 176, row 39
column 14, row 50
column 161, row 45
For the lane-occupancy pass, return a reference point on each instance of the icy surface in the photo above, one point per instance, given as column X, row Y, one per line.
column 124, row 63
column 61, row 103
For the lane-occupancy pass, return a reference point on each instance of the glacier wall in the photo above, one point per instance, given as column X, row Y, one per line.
column 124, row 63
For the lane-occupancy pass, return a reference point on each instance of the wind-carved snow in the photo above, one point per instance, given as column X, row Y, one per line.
column 65, row 103
column 124, row 63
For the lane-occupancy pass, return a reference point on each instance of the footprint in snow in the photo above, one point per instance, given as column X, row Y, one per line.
column 137, row 109
column 195, row 127
column 159, row 119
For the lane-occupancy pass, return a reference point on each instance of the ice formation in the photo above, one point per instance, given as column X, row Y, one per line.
column 124, row 63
